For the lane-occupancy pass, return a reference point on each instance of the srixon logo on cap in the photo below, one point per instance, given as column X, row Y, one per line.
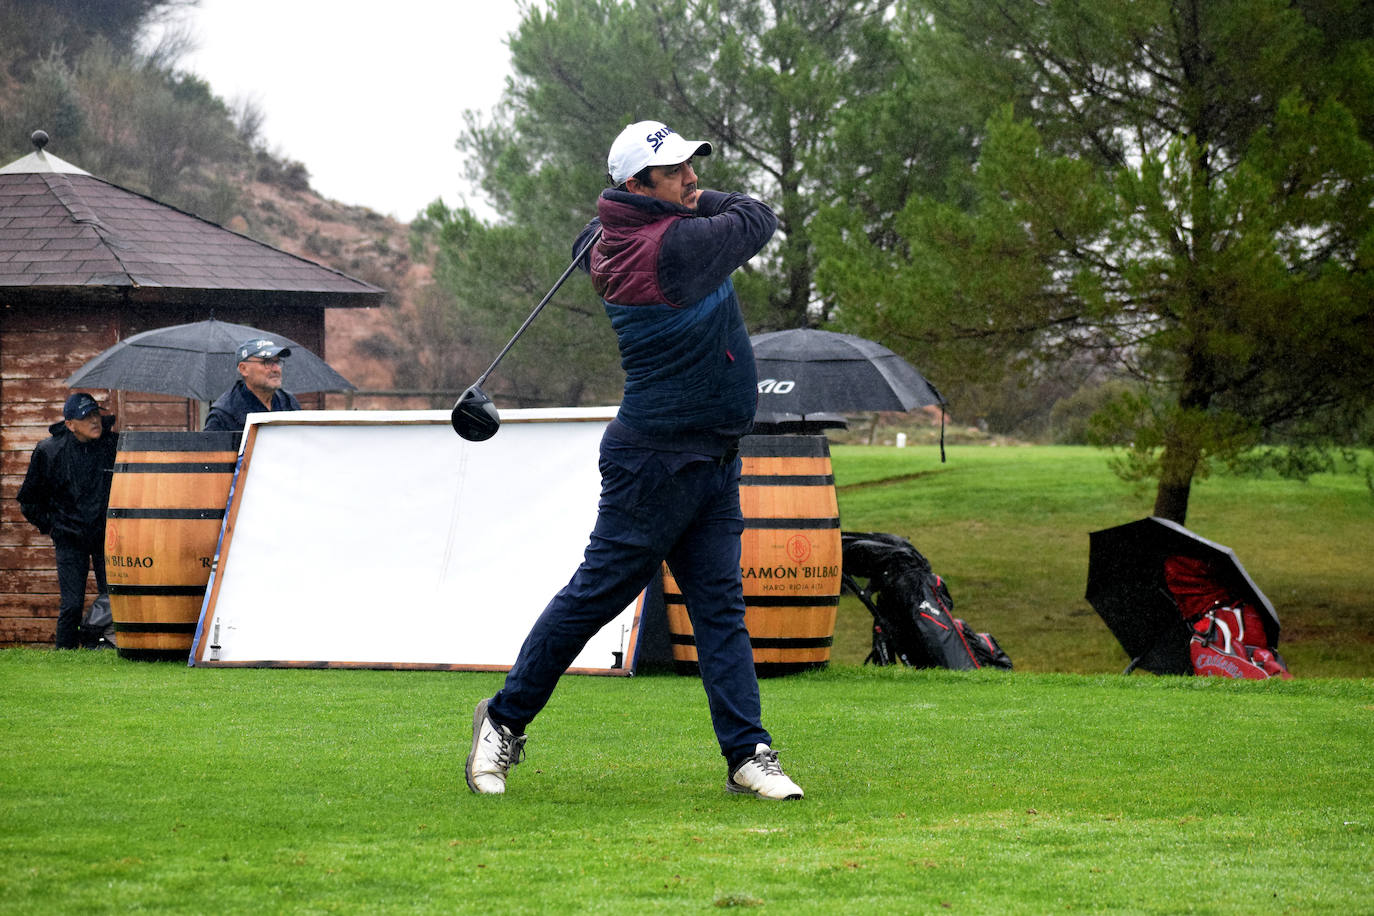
column 656, row 138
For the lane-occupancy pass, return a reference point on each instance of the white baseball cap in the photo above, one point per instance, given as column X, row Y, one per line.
column 646, row 143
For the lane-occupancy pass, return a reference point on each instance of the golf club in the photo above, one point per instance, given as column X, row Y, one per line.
column 475, row 417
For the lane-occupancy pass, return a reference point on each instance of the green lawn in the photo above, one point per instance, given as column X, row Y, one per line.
column 1008, row 529
column 1059, row 787
column 130, row 786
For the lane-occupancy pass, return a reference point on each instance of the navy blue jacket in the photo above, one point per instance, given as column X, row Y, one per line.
column 230, row 412
column 663, row 272
column 67, row 487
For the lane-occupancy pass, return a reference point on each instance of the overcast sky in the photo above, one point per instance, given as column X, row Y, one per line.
column 369, row 96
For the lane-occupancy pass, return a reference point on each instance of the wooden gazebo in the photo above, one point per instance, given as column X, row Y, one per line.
column 85, row 264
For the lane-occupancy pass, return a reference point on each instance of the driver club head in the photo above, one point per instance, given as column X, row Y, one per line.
column 474, row 416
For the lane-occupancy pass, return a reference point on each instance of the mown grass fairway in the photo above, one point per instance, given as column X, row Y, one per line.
column 1008, row 529
column 1059, row 787
column 134, row 787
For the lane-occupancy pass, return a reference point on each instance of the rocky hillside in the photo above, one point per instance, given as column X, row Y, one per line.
column 135, row 120
column 357, row 241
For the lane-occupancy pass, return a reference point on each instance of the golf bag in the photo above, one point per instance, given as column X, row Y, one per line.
column 913, row 612
column 1229, row 638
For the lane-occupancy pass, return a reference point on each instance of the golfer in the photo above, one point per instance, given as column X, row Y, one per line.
column 669, row 460
column 258, row 387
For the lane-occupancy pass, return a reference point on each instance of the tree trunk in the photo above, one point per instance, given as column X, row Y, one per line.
column 1176, row 467
column 1171, row 501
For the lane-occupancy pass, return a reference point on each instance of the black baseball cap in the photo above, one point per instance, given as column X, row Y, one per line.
column 79, row 406
column 261, row 348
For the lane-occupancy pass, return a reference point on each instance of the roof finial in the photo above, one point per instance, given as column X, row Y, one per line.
column 39, row 138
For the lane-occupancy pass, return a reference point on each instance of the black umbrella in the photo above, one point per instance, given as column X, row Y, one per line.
column 805, row 371
column 1127, row 588
column 198, row 361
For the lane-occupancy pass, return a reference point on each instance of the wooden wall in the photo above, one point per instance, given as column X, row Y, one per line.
column 40, row 347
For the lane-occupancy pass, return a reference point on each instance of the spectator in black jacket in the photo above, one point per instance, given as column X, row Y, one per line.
column 258, row 388
column 64, row 495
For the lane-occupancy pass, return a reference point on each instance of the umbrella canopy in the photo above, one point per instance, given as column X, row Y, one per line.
column 805, row 371
column 1127, row 588
column 198, row 361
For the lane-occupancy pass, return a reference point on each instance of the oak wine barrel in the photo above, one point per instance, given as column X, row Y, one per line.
column 167, row 503
column 790, row 558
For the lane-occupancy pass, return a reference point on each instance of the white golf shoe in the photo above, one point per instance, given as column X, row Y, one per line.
column 495, row 749
column 761, row 775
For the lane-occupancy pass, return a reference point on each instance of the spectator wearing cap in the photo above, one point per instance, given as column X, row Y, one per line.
column 257, row 389
column 64, row 495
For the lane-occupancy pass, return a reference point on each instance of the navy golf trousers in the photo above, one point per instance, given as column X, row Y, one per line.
column 654, row 506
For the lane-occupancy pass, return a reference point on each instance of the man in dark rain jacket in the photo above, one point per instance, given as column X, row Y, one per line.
column 257, row 389
column 64, row 495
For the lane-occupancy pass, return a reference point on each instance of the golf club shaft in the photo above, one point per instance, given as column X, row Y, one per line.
column 481, row 380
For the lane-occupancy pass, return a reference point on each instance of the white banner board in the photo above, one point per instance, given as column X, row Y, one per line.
column 382, row 539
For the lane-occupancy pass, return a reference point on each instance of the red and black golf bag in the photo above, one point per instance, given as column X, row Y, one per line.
column 913, row 613
column 1229, row 637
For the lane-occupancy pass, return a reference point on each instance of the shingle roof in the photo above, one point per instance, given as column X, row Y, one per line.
column 64, row 232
